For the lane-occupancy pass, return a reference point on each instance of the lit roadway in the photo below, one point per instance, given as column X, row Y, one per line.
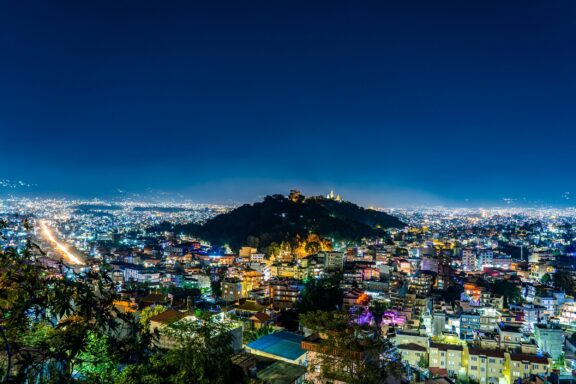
column 61, row 248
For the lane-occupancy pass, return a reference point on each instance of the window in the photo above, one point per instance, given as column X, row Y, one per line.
column 474, row 358
column 491, row 361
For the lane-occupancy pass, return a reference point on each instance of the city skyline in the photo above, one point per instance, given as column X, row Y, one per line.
column 381, row 199
column 390, row 104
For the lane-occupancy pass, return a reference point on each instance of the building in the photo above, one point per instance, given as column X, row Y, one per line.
column 445, row 359
column 485, row 365
column 248, row 309
column 231, row 290
column 412, row 354
column 422, row 282
column 520, row 366
column 548, row 302
column 283, row 346
column 568, row 313
column 285, row 270
column 355, row 298
column 438, row 323
column 250, row 280
column 411, row 337
column 472, row 293
column 485, row 258
column 469, row 260
column 550, row 339
column 283, row 295
column 510, row 335
column 469, row 325
column 165, row 318
column 281, row 372
column 333, row 261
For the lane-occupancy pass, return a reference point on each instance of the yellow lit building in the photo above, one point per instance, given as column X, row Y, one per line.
column 251, row 280
column 484, row 365
column 284, row 270
column 412, row 353
column 520, row 366
column 445, row 359
column 409, row 337
column 125, row 306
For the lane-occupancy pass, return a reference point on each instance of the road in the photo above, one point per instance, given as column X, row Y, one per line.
column 61, row 248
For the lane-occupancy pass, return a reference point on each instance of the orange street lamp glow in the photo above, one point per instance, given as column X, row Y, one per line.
column 61, row 247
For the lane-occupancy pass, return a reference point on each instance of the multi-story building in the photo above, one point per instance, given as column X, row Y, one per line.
column 231, row 290
column 287, row 270
column 250, row 280
column 445, row 359
column 283, row 295
column 568, row 313
column 488, row 321
column 422, row 282
column 485, row 365
column 333, row 261
column 469, row 325
column 550, row 339
column 411, row 337
column 469, row 260
column 438, row 323
column 412, row 354
column 510, row 336
column 484, row 258
column 548, row 302
column 491, row 300
column 521, row 366
column 534, row 314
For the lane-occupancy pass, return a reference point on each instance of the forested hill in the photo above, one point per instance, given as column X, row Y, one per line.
column 278, row 219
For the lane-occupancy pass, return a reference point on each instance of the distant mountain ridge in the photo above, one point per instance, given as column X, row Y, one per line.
column 279, row 219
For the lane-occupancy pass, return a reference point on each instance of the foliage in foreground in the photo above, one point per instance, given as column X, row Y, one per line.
column 347, row 351
column 59, row 326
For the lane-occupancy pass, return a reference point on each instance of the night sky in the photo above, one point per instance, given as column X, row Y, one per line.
column 388, row 102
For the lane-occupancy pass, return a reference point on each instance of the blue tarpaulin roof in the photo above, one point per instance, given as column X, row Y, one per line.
column 284, row 344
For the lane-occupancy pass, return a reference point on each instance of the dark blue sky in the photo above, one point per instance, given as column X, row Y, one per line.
column 389, row 102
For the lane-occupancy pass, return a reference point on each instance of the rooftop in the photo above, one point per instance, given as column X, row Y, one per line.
column 283, row 344
column 169, row 316
column 412, row 347
column 531, row 358
column 250, row 306
column 281, row 373
column 442, row 346
column 486, row 352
